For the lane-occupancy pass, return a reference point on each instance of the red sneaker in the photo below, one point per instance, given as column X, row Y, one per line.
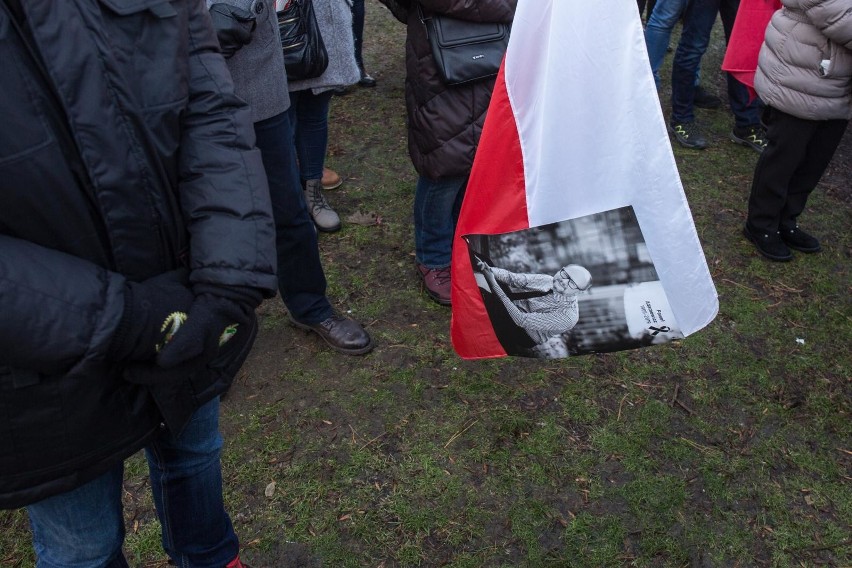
column 437, row 283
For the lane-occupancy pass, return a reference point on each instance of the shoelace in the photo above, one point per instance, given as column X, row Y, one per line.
column 317, row 200
column 442, row 275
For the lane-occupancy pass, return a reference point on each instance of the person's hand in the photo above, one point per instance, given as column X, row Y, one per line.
column 211, row 321
column 153, row 310
column 233, row 26
column 483, row 266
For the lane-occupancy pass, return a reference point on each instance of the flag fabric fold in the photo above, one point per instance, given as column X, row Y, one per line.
column 575, row 147
column 746, row 38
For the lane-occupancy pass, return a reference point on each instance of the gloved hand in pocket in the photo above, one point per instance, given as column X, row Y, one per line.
column 233, row 26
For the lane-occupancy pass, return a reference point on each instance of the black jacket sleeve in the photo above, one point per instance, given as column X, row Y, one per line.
column 59, row 311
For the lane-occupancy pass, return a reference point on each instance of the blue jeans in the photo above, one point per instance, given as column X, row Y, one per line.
column 84, row 528
column 309, row 116
column 301, row 280
column 436, row 210
column 699, row 18
column 658, row 32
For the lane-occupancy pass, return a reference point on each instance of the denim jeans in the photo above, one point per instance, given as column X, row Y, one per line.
column 309, row 116
column 436, row 209
column 658, row 32
column 699, row 18
column 84, row 528
column 301, row 280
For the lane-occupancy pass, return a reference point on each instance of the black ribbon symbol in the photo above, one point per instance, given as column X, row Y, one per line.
column 657, row 330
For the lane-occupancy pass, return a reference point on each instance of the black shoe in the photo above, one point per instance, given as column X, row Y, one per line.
column 799, row 240
column 752, row 136
column 688, row 135
column 343, row 334
column 769, row 245
column 703, row 99
column 366, row 80
column 340, row 91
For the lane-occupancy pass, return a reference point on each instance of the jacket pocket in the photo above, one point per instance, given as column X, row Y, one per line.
column 144, row 31
column 24, row 128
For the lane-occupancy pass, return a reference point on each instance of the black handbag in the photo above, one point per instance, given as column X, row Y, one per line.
column 305, row 56
column 465, row 51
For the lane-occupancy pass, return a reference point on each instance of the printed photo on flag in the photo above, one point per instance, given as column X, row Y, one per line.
column 585, row 285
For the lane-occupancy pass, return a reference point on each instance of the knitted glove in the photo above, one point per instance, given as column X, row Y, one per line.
column 233, row 26
column 153, row 311
column 212, row 320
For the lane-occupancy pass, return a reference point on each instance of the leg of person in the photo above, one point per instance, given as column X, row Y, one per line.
column 358, row 17
column 699, row 18
column 82, row 528
column 301, row 279
column 658, row 32
column 309, row 116
column 785, row 151
column 825, row 139
column 434, row 227
column 186, row 480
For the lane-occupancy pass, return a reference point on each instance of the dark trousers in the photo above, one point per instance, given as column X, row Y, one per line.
column 301, row 280
column 699, row 17
column 790, row 167
column 643, row 4
column 358, row 17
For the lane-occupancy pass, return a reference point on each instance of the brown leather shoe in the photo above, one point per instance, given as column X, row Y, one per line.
column 342, row 334
column 331, row 179
column 437, row 283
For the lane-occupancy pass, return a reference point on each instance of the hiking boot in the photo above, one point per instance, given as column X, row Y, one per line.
column 688, row 135
column 705, row 100
column 325, row 218
column 799, row 240
column 344, row 335
column 769, row 245
column 331, row 179
column 752, row 136
column 436, row 282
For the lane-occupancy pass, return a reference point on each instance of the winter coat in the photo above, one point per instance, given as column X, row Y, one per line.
column 805, row 63
column 445, row 122
column 137, row 159
column 265, row 92
column 334, row 18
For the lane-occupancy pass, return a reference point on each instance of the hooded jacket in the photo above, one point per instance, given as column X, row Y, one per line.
column 124, row 154
column 445, row 122
column 805, row 63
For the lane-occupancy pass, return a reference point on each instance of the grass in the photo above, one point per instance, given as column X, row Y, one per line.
column 729, row 448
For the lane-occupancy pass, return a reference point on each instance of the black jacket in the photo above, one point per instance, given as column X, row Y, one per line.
column 445, row 122
column 125, row 156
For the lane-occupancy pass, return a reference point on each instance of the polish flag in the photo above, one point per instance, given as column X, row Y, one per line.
column 575, row 166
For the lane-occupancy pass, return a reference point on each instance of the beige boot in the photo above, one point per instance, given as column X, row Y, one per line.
column 323, row 215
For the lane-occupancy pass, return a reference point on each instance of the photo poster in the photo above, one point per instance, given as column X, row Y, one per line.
column 624, row 308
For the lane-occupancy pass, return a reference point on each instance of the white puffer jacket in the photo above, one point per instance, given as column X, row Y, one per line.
column 805, row 64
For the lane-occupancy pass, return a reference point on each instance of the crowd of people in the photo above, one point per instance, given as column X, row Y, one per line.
column 154, row 156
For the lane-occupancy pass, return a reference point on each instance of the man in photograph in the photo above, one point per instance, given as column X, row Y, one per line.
column 544, row 306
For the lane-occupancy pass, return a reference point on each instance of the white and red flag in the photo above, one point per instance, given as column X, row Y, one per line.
column 575, row 235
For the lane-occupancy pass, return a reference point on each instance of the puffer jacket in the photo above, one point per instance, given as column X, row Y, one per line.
column 805, row 63
column 445, row 122
column 124, row 154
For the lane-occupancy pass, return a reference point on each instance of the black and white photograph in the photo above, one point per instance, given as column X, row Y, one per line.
column 585, row 285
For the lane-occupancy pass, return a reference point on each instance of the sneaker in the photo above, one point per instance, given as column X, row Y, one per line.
column 688, row 135
column 752, row 136
column 235, row 563
column 769, row 245
column 325, row 218
column 703, row 99
column 344, row 335
column 331, row 179
column 436, row 282
column 799, row 240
